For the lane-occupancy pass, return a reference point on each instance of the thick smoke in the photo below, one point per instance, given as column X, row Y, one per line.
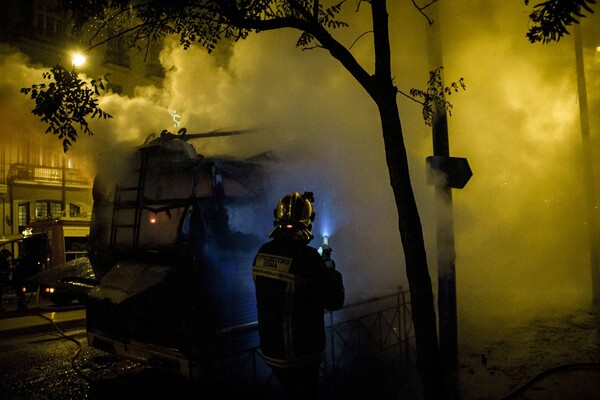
column 521, row 228
column 18, row 124
column 521, row 238
column 321, row 129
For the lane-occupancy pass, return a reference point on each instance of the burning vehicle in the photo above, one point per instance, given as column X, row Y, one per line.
column 172, row 240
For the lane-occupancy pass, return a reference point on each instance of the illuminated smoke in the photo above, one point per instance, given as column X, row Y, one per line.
column 521, row 222
column 521, row 239
column 15, row 109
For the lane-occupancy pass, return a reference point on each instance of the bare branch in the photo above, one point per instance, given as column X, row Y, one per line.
column 358, row 38
column 421, row 10
column 106, row 22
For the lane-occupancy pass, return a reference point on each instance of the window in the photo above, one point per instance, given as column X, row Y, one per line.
column 74, row 210
column 23, row 216
column 117, row 52
column 46, row 23
column 48, row 209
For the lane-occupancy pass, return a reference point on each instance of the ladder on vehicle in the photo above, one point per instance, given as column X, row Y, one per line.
column 127, row 212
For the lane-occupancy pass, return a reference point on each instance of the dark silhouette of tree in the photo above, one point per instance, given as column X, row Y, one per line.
column 66, row 100
column 552, row 18
column 206, row 22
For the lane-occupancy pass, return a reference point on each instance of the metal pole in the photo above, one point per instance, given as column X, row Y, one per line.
column 588, row 167
column 63, row 197
column 447, row 309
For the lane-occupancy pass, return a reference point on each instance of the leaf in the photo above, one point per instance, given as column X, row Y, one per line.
column 65, row 102
column 551, row 18
column 434, row 94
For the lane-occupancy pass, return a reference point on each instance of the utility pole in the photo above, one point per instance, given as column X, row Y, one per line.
column 586, row 142
column 451, row 172
column 446, row 270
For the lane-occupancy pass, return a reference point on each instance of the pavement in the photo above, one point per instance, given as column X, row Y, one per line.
column 554, row 356
column 40, row 317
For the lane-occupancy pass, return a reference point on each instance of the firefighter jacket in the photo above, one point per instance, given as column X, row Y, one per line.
column 293, row 287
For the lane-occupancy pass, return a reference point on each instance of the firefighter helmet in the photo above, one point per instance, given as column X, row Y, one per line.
column 294, row 216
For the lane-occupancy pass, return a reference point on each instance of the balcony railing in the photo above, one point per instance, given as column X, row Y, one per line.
column 47, row 175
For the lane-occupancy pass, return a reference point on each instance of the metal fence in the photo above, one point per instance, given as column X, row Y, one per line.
column 356, row 333
column 365, row 329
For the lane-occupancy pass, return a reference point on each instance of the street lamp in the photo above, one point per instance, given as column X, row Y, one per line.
column 78, row 59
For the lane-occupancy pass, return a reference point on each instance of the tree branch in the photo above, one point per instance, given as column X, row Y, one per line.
column 420, row 9
column 358, row 38
column 335, row 48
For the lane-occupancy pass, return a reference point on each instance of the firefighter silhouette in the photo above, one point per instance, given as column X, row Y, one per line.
column 293, row 287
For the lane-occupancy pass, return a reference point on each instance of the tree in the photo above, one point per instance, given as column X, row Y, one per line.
column 206, row 22
column 551, row 18
column 65, row 101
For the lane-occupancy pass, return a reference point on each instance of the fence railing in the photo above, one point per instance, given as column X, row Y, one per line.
column 364, row 329
column 357, row 332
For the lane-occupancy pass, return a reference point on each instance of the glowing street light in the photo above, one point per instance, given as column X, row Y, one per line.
column 78, row 59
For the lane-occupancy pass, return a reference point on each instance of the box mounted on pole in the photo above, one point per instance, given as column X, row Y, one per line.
column 456, row 169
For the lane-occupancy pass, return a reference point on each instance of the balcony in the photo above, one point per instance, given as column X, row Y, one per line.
column 47, row 175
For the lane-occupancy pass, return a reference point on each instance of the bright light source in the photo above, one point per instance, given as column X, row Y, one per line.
column 153, row 219
column 598, row 49
column 78, row 59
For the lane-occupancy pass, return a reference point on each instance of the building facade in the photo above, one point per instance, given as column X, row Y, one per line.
column 40, row 182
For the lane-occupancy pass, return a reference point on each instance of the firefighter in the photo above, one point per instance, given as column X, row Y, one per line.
column 293, row 287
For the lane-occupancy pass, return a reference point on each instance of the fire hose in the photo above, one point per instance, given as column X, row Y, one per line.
column 563, row 367
column 77, row 352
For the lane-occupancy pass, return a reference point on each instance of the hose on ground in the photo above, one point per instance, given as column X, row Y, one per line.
column 76, row 368
column 563, row 367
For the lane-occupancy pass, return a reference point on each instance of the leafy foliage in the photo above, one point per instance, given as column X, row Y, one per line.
column 551, row 18
column 205, row 22
column 65, row 102
column 436, row 94
column 325, row 18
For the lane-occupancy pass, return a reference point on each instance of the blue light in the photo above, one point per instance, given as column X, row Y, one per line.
column 325, row 226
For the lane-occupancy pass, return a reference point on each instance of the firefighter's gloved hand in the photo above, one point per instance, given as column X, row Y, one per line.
column 326, row 254
column 330, row 263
